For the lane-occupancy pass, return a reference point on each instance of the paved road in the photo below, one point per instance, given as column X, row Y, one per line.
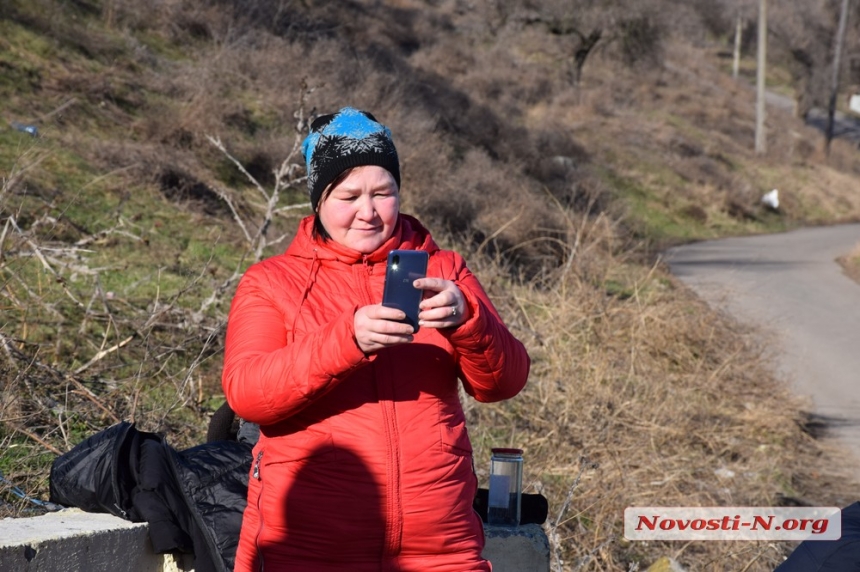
column 845, row 126
column 791, row 286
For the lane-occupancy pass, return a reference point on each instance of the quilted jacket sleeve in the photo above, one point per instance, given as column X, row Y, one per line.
column 493, row 364
column 267, row 380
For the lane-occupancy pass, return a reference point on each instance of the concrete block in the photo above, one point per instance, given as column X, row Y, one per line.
column 75, row 541
column 517, row 549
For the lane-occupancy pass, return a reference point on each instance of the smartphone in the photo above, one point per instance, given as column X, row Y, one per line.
column 404, row 267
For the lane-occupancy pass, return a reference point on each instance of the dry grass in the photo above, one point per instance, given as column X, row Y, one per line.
column 851, row 263
column 654, row 399
column 559, row 195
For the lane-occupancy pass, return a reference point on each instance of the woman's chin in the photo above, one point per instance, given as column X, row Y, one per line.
column 366, row 245
column 365, row 241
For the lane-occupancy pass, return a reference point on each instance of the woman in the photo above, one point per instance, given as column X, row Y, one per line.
column 363, row 462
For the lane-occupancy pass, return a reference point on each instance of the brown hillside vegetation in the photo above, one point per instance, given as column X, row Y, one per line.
column 851, row 263
column 167, row 162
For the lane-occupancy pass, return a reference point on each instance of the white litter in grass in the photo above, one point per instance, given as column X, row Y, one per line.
column 771, row 199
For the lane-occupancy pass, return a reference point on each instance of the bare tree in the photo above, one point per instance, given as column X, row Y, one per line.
column 802, row 34
column 632, row 30
column 585, row 43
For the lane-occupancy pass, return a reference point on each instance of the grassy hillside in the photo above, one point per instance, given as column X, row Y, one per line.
column 166, row 162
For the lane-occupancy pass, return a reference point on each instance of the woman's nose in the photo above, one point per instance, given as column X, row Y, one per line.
column 366, row 209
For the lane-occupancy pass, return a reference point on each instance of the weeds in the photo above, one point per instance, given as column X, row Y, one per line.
column 124, row 228
column 556, row 542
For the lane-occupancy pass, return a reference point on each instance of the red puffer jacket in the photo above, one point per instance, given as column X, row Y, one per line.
column 364, row 462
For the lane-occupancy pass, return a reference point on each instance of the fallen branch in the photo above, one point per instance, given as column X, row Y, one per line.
column 68, row 103
column 38, row 252
column 35, row 438
column 16, row 174
column 99, row 356
column 107, row 232
column 14, row 354
column 82, row 390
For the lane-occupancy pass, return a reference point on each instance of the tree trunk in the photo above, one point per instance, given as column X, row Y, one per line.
column 586, row 45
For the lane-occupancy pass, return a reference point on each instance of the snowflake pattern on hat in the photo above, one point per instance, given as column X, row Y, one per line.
column 343, row 140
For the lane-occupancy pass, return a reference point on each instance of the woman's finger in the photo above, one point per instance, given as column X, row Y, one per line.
column 434, row 284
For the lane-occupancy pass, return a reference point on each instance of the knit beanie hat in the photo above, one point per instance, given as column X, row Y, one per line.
column 342, row 140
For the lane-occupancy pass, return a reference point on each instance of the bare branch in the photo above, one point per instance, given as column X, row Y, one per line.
column 99, row 356
column 35, row 438
column 3, row 237
column 216, row 141
column 117, row 229
column 38, row 252
column 236, row 216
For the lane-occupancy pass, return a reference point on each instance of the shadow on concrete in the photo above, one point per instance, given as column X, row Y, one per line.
column 819, row 426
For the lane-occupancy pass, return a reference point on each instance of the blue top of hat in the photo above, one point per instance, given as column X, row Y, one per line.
column 348, row 123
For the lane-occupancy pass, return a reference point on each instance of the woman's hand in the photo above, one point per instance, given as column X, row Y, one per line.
column 446, row 308
column 376, row 328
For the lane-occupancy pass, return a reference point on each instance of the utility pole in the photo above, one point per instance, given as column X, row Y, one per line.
column 837, row 62
column 736, row 60
column 760, row 138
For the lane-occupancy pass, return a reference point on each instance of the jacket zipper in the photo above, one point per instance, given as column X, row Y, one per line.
column 215, row 554
column 256, row 475
column 257, row 465
column 114, row 471
column 394, row 517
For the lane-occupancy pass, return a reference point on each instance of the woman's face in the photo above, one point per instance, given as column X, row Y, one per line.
column 361, row 211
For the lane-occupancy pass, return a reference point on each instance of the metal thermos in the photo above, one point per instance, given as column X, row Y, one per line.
column 506, row 485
